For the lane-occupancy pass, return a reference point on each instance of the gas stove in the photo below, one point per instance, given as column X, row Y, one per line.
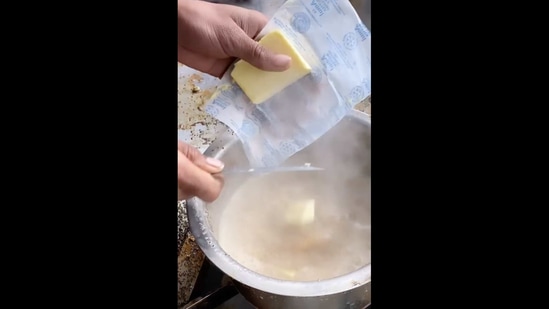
column 214, row 290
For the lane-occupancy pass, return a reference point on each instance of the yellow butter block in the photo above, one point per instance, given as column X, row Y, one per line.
column 301, row 212
column 259, row 85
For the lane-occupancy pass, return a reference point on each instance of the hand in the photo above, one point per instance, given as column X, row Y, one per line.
column 211, row 36
column 197, row 175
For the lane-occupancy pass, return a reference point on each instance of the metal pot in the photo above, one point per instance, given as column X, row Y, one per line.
column 348, row 291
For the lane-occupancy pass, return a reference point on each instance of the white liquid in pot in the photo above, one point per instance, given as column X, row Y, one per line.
column 255, row 229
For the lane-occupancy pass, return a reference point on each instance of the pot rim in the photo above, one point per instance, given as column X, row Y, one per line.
column 205, row 239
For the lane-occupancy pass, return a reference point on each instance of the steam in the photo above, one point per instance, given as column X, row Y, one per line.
column 246, row 218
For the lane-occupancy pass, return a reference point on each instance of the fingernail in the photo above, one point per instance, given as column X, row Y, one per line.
column 282, row 61
column 215, row 163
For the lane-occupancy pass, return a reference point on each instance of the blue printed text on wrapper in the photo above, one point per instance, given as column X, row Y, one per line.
column 335, row 42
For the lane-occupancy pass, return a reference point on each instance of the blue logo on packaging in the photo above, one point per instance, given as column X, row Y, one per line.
column 350, row 40
column 356, row 94
column 248, row 128
column 362, row 31
column 287, row 149
column 319, row 7
column 301, row 22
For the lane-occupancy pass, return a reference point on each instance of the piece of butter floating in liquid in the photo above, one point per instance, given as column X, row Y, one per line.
column 300, row 212
column 259, row 85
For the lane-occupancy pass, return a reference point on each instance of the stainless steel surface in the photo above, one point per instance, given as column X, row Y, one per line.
column 277, row 169
column 357, row 298
column 214, row 290
column 350, row 291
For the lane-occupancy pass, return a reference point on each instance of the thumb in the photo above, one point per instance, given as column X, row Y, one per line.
column 257, row 55
column 194, row 181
